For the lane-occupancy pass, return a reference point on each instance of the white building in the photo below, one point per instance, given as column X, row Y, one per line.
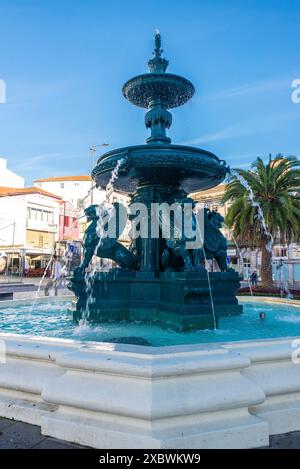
column 8, row 178
column 29, row 219
column 75, row 189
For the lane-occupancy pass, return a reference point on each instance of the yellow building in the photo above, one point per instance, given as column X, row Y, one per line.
column 211, row 198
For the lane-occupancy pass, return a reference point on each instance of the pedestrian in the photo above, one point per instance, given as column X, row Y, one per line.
column 64, row 275
column 26, row 266
column 55, row 278
column 254, row 278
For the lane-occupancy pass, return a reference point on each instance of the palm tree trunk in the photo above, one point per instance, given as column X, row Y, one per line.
column 266, row 268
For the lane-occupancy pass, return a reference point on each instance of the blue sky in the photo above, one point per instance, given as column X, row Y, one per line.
column 64, row 63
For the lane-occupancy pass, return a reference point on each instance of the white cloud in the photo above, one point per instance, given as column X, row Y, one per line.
column 25, row 93
column 223, row 134
column 37, row 162
column 250, row 127
column 265, row 86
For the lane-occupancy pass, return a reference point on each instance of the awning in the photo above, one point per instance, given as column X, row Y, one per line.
column 38, row 258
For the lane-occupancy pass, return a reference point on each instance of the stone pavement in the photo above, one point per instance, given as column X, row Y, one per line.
column 19, row 435
column 285, row 441
column 31, row 295
column 31, row 292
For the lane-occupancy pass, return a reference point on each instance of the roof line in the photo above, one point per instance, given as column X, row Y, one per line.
column 82, row 177
column 12, row 191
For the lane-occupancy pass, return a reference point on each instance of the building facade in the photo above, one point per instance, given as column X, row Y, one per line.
column 29, row 227
column 8, row 178
column 36, row 221
column 78, row 192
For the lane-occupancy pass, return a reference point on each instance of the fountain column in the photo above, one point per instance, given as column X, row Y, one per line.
column 158, row 119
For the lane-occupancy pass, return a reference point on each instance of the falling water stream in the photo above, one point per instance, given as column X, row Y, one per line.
column 105, row 212
column 240, row 255
column 208, row 282
column 42, row 280
column 40, row 284
column 283, row 285
column 282, row 280
column 260, row 214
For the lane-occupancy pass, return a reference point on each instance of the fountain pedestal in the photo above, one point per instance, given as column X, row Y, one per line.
column 180, row 300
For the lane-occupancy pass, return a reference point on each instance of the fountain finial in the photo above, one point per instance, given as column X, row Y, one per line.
column 158, row 64
column 157, row 40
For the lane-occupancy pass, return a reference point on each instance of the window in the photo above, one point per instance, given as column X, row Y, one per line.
column 29, row 213
column 62, row 185
column 76, row 184
column 280, row 252
column 296, row 252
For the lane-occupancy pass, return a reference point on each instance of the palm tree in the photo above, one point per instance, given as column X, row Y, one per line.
column 276, row 188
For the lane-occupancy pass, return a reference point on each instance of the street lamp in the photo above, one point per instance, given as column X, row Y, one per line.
column 22, row 266
column 93, row 150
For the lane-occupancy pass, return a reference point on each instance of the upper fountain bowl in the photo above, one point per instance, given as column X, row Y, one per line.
column 169, row 89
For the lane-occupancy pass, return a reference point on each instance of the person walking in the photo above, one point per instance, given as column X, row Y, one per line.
column 64, row 274
column 254, row 278
column 55, row 278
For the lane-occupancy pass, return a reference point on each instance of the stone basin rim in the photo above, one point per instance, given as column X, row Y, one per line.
column 199, row 169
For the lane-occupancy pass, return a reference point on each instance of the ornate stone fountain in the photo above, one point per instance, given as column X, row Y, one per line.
column 158, row 278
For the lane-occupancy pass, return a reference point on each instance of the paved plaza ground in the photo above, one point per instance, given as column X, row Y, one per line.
column 30, row 287
column 19, row 435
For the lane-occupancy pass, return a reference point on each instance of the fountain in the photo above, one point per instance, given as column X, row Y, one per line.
column 137, row 384
column 159, row 278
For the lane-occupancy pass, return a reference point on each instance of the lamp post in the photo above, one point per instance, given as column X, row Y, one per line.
column 93, row 150
column 22, row 267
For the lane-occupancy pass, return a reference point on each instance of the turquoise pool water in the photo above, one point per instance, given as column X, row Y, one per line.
column 54, row 320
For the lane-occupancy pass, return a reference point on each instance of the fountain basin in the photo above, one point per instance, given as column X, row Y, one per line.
column 105, row 395
column 190, row 168
column 54, row 320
